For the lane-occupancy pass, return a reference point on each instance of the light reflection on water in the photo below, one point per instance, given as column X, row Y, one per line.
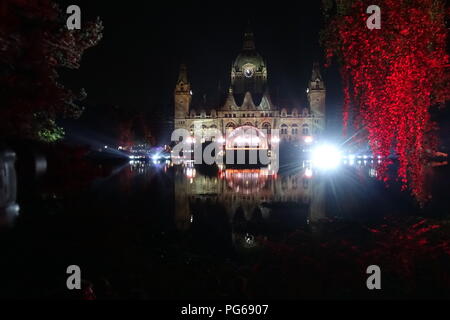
column 259, row 190
column 156, row 214
column 350, row 191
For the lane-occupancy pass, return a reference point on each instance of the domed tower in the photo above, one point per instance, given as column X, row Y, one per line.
column 182, row 94
column 249, row 71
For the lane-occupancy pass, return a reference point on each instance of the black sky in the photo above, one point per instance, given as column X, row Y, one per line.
column 136, row 64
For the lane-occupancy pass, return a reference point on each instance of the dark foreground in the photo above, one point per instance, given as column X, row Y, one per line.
column 122, row 229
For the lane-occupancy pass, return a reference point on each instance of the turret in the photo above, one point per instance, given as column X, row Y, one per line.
column 317, row 92
column 182, row 94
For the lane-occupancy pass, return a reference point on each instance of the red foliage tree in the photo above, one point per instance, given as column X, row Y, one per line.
column 34, row 43
column 392, row 75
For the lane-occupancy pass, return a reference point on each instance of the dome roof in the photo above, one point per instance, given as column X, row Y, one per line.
column 249, row 57
column 248, row 54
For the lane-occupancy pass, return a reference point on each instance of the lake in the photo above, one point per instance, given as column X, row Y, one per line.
column 152, row 230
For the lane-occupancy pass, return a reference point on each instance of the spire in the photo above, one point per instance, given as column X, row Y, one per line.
column 182, row 77
column 249, row 41
column 316, row 82
column 316, row 72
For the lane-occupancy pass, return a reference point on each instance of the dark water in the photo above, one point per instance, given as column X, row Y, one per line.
column 155, row 231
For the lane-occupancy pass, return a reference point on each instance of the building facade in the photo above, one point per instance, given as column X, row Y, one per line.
column 248, row 102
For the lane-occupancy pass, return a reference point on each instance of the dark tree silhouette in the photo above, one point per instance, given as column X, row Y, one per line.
column 34, row 44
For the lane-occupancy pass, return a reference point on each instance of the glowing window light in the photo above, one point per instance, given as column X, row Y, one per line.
column 309, row 139
column 275, row 140
column 326, row 157
column 190, row 173
column 190, row 140
column 308, row 173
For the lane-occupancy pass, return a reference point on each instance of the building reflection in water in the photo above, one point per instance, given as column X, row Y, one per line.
column 247, row 204
column 248, row 195
column 9, row 209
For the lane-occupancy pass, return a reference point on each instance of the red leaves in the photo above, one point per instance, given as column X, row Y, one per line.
column 392, row 76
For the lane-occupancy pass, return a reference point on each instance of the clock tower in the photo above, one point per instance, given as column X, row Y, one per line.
column 249, row 71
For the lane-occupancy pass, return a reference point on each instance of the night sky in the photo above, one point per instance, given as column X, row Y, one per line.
column 135, row 66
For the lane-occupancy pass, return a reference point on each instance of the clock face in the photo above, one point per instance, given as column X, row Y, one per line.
column 248, row 72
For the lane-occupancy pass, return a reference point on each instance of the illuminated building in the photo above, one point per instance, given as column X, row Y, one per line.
column 248, row 102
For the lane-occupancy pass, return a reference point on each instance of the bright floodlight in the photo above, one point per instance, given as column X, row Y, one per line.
column 326, row 157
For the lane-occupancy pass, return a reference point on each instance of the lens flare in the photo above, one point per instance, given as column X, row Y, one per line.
column 326, row 157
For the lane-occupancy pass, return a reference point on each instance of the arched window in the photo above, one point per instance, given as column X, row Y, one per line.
column 305, row 183
column 294, row 129
column 246, row 137
column 283, row 113
column 305, row 130
column 284, row 129
column 267, row 127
